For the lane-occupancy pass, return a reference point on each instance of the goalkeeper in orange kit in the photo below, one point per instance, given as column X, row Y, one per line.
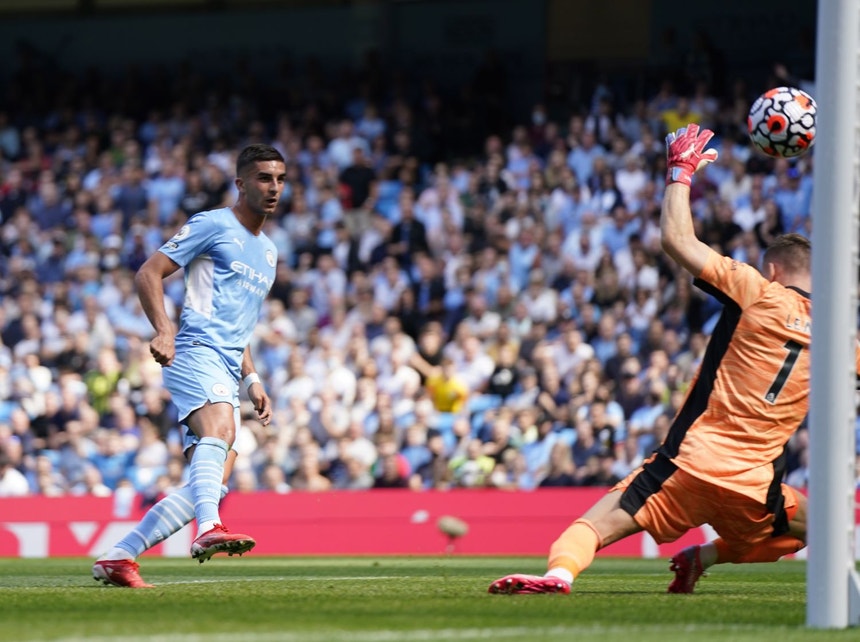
column 723, row 459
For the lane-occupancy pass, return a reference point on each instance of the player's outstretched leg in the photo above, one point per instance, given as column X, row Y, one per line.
column 119, row 573
column 688, row 568
column 525, row 584
column 118, row 567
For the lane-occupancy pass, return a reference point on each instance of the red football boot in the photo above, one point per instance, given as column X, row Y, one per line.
column 119, row 573
column 522, row 584
column 219, row 540
column 688, row 569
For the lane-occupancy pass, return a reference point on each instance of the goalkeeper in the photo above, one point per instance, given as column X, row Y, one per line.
column 723, row 459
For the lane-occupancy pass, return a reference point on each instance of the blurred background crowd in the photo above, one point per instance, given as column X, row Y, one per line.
column 466, row 296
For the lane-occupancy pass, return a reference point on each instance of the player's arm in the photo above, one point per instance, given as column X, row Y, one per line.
column 256, row 391
column 685, row 155
column 677, row 234
column 149, row 281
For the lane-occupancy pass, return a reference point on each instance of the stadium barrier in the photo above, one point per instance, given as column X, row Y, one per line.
column 376, row 522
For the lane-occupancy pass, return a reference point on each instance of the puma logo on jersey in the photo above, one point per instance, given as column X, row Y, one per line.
column 240, row 243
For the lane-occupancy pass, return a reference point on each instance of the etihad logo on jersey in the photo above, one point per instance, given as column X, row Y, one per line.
column 254, row 280
column 250, row 273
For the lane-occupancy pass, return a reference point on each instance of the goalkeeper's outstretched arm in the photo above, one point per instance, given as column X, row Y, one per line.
column 685, row 155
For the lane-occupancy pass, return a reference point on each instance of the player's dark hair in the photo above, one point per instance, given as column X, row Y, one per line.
column 255, row 153
column 792, row 251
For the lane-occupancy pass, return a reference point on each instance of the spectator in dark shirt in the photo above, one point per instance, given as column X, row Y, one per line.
column 408, row 236
column 358, row 177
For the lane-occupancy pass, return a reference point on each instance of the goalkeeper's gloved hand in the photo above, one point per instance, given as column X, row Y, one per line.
column 685, row 153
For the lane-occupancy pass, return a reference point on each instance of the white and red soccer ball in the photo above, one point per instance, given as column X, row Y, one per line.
column 781, row 122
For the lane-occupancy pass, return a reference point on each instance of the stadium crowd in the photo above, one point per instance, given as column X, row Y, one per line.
column 447, row 313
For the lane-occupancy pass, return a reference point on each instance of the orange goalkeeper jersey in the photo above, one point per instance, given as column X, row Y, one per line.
column 752, row 390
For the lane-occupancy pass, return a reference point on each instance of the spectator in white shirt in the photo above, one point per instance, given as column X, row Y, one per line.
column 13, row 483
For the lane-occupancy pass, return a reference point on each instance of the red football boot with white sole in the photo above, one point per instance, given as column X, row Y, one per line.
column 527, row 584
column 119, row 573
column 219, row 540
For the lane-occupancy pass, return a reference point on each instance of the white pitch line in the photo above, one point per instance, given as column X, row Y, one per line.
column 419, row 635
column 291, row 578
column 262, row 578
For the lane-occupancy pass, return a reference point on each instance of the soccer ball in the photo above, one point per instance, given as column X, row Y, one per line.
column 781, row 122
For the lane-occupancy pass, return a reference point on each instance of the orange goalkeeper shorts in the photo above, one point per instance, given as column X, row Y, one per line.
column 667, row 502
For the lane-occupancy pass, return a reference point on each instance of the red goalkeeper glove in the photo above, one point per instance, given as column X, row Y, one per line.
column 685, row 153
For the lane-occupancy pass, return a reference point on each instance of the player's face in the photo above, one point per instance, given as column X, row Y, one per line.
column 262, row 186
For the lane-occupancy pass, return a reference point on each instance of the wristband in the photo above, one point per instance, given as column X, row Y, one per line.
column 251, row 379
column 679, row 175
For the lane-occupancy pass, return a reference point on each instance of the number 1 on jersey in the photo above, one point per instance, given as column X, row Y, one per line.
column 776, row 387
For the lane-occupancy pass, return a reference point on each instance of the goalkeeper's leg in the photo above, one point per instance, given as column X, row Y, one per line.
column 692, row 562
column 786, row 540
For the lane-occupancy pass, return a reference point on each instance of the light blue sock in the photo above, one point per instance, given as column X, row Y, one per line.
column 207, row 471
column 160, row 522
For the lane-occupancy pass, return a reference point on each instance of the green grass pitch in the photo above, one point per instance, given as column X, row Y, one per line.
column 393, row 599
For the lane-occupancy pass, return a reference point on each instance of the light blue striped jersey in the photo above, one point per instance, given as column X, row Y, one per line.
column 228, row 274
